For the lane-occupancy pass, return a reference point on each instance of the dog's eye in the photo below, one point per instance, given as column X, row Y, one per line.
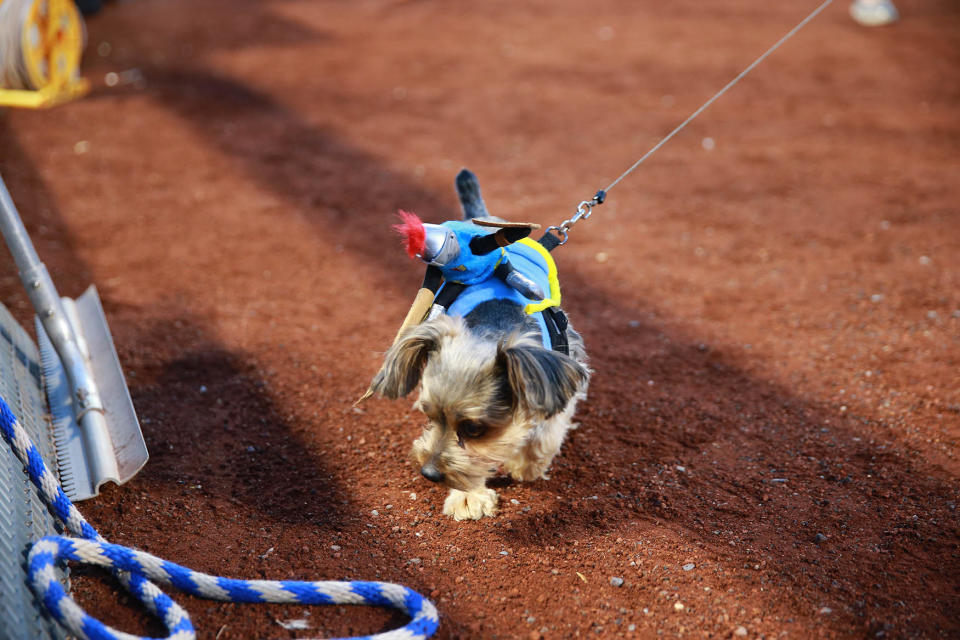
column 471, row 429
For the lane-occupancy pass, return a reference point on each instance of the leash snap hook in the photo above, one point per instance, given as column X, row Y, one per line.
column 584, row 209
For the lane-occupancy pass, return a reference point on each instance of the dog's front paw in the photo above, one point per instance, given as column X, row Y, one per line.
column 470, row 505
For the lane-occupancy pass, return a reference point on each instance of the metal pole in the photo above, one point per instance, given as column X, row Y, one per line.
column 88, row 407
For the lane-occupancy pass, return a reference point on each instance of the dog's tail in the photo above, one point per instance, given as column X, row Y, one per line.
column 468, row 188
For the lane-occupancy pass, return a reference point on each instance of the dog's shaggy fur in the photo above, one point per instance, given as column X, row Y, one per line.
column 495, row 398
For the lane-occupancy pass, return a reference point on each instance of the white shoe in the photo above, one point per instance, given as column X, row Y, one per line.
column 873, row 13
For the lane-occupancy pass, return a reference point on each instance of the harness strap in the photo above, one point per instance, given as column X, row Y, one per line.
column 554, row 318
column 556, row 321
column 449, row 293
column 549, row 241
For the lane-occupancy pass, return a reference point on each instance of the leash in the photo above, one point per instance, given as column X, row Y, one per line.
column 135, row 570
column 585, row 208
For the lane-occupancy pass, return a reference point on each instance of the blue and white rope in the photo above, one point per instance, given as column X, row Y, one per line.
column 136, row 569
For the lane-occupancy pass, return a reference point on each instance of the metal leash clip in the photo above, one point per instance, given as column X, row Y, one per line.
column 584, row 209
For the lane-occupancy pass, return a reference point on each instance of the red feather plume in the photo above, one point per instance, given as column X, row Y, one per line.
column 412, row 232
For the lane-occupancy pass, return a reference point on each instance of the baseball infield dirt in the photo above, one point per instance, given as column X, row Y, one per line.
column 771, row 304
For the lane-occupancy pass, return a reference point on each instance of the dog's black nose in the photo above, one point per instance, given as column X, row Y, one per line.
column 431, row 473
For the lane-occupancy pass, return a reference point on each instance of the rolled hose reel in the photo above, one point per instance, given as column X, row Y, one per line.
column 41, row 43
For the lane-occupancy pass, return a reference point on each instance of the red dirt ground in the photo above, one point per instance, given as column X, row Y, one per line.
column 773, row 322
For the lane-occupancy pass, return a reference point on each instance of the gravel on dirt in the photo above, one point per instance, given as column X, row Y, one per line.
column 779, row 303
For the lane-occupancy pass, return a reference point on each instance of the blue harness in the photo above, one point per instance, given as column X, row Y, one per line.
column 533, row 261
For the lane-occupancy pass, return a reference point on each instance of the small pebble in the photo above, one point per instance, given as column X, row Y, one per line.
column 413, row 496
column 335, row 547
column 504, row 553
column 689, row 566
column 414, row 560
column 826, row 611
column 820, row 538
column 292, row 625
column 616, row 581
column 741, row 631
column 374, row 513
column 678, row 606
column 514, row 501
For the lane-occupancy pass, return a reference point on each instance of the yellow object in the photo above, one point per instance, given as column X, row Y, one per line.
column 553, row 300
column 50, row 46
column 418, row 311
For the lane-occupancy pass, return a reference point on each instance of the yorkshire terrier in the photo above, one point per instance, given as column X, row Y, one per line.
column 495, row 397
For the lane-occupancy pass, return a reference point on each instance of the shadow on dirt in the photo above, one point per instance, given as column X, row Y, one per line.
column 212, row 422
column 328, row 181
column 741, row 465
column 41, row 216
column 213, row 431
column 808, row 487
column 177, row 417
column 768, row 481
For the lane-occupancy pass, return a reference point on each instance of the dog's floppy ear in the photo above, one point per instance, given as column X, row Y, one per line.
column 404, row 361
column 542, row 381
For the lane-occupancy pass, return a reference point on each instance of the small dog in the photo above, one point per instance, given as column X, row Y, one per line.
column 495, row 398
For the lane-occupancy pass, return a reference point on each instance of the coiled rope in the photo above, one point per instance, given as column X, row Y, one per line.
column 13, row 68
column 40, row 43
column 135, row 570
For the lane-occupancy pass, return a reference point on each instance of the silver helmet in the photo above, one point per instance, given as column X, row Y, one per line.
column 440, row 245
